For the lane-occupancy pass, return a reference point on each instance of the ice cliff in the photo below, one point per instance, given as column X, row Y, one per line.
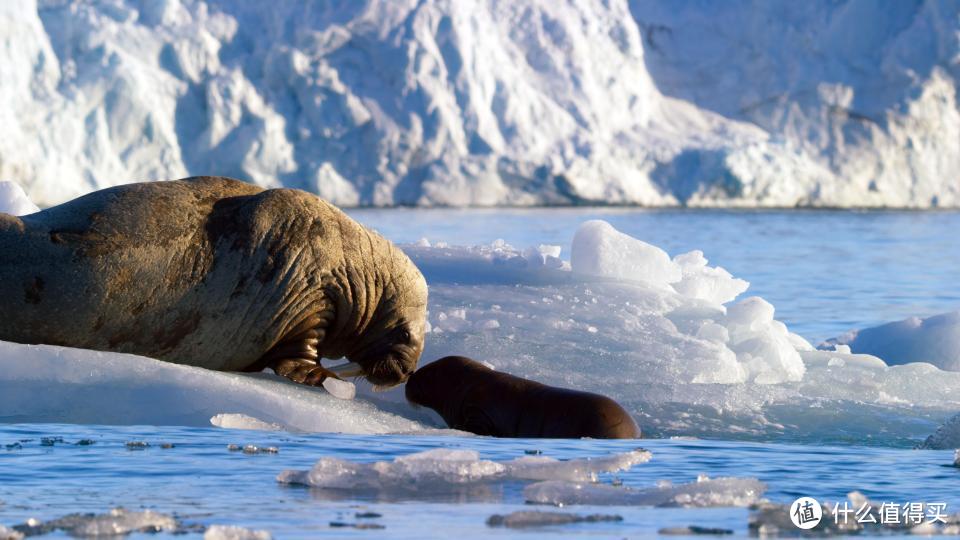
column 781, row 103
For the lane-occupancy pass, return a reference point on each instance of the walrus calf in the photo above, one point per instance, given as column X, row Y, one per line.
column 216, row 273
column 472, row 397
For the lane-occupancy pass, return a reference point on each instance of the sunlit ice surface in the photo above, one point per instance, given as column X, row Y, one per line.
column 674, row 346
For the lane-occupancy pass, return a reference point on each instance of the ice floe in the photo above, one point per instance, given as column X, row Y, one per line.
column 667, row 337
column 439, row 469
column 42, row 383
column 117, row 522
column 233, row 532
column 704, row 492
column 685, row 357
column 934, row 340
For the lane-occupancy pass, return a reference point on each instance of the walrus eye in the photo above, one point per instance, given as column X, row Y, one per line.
column 405, row 336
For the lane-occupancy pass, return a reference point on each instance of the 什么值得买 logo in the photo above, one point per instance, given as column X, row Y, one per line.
column 806, row 513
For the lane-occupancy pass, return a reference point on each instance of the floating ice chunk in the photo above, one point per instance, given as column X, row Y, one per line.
column 243, row 421
column 752, row 314
column 704, row 492
column 710, row 283
column 439, row 469
column 534, row 518
column 232, row 532
column 543, row 255
column 935, row 340
column 14, row 201
column 600, row 250
column 436, row 468
column 762, row 345
column 10, row 534
column 340, row 389
column 116, row 522
column 490, row 324
column 574, row 470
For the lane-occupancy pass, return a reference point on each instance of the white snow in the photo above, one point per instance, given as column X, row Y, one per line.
column 934, row 340
column 14, row 201
column 440, row 469
column 43, row 383
column 243, row 421
column 704, row 492
column 600, row 250
column 451, row 103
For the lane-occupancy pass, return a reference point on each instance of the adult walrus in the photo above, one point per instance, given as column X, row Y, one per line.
column 472, row 397
column 216, row 273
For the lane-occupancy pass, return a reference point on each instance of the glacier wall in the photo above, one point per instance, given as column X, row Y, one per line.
column 747, row 103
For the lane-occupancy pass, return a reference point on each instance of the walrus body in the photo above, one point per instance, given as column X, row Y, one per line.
column 216, row 273
column 472, row 397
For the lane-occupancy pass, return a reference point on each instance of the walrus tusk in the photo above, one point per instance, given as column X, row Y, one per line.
column 350, row 369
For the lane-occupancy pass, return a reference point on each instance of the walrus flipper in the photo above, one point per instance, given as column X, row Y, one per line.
column 303, row 371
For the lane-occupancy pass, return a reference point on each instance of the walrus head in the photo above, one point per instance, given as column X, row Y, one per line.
column 386, row 314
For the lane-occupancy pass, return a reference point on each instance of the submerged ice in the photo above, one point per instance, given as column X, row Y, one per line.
column 704, row 492
column 439, row 469
column 559, row 483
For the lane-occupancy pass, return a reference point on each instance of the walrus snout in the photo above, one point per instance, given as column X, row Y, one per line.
column 390, row 367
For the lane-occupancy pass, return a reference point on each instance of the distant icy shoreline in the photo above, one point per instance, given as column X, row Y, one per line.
column 662, row 104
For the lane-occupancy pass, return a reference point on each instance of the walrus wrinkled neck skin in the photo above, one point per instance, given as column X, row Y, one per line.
column 381, row 303
column 210, row 272
column 472, row 397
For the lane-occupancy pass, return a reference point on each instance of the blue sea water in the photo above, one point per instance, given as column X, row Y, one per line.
column 201, row 482
column 826, row 272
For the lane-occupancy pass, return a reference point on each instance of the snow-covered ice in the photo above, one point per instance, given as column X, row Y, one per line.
column 682, row 353
column 242, row 421
column 704, row 492
column 452, row 103
column 43, row 383
column 442, row 469
column 934, row 340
